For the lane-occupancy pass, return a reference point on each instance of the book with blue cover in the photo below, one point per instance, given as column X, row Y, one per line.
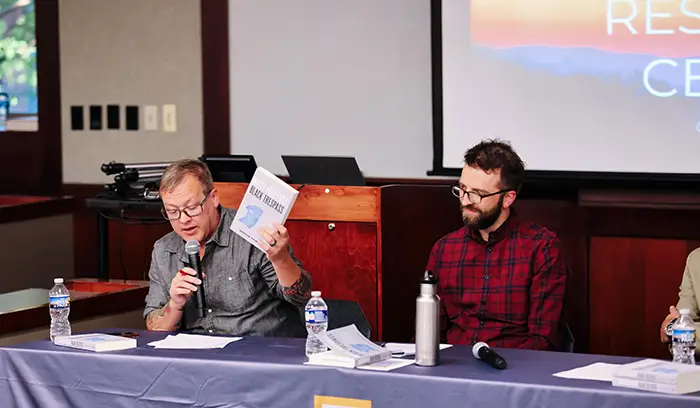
column 267, row 199
column 95, row 342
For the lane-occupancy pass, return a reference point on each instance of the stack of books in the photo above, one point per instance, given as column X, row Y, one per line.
column 660, row 376
column 349, row 348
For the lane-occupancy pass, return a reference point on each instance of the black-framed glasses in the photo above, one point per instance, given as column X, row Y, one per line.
column 191, row 211
column 473, row 196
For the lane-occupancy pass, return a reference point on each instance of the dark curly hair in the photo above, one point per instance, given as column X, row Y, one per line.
column 496, row 154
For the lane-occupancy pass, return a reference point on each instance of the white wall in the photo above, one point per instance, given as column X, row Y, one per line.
column 320, row 77
column 129, row 52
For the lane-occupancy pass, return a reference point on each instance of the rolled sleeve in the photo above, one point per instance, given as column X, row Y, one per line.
column 158, row 287
column 298, row 293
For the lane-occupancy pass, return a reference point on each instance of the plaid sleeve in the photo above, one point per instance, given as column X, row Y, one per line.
column 433, row 267
column 546, row 297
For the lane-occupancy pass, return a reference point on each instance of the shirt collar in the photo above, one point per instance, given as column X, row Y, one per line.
column 501, row 232
column 222, row 236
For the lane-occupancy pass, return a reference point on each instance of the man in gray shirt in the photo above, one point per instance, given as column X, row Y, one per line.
column 247, row 291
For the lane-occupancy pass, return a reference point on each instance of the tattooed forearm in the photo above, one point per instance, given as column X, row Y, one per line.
column 155, row 315
column 165, row 318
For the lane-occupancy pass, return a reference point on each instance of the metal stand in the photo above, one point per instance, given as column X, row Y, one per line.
column 117, row 206
column 102, row 247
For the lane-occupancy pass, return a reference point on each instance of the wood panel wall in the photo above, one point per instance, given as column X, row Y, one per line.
column 633, row 281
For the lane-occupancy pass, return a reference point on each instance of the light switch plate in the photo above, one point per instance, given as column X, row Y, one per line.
column 169, row 118
column 150, row 117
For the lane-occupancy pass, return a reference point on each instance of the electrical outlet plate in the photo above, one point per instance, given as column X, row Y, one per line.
column 169, row 118
column 150, row 117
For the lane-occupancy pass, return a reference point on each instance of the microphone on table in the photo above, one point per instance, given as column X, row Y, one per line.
column 483, row 352
column 192, row 250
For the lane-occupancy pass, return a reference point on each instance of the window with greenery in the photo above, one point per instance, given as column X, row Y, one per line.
column 18, row 76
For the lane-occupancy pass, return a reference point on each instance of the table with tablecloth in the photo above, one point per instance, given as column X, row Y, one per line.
column 260, row 372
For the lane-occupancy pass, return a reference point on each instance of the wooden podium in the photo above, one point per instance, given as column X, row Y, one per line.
column 364, row 244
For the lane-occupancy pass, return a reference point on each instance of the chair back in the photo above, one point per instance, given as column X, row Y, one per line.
column 568, row 342
column 346, row 312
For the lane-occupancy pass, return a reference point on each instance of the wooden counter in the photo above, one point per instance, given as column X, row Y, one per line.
column 21, row 208
column 24, row 314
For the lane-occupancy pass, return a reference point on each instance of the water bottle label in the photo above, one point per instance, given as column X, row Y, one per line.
column 316, row 316
column 684, row 336
column 59, row 302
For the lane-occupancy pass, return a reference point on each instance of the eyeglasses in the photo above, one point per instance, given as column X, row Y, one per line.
column 192, row 211
column 473, row 196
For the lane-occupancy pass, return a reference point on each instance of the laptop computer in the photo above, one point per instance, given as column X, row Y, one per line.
column 324, row 170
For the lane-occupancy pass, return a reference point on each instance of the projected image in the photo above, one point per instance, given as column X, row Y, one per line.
column 646, row 45
column 581, row 77
column 18, row 75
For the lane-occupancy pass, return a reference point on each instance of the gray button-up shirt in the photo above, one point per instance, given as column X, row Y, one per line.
column 241, row 289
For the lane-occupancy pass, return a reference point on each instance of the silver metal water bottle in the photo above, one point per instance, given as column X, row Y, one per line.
column 428, row 322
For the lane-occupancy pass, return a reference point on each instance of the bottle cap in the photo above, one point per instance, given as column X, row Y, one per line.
column 58, row 280
column 684, row 311
column 429, row 278
column 316, row 293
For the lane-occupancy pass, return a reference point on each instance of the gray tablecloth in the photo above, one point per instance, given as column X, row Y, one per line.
column 268, row 373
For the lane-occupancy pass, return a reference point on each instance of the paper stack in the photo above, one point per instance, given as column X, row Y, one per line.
column 658, row 375
column 597, row 372
column 193, row 341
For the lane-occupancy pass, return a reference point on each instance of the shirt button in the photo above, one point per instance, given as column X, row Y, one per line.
column 211, row 331
column 489, row 249
column 230, row 278
column 481, row 322
column 487, row 277
column 209, row 311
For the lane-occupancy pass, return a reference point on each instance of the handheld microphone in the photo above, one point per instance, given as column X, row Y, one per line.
column 483, row 352
column 192, row 250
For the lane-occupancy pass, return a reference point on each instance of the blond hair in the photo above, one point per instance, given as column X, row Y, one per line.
column 176, row 172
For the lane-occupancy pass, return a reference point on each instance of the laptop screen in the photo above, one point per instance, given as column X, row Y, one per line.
column 324, row 170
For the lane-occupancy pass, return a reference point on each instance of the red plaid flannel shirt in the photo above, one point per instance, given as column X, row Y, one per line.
column 508, row 292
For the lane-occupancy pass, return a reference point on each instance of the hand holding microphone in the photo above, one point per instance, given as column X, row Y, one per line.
column 483, row 352
column 192, row 249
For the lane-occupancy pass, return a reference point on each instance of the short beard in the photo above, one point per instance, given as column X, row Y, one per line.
column 484, row 219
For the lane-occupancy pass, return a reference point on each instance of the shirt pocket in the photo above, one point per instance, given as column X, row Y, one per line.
column 233, row 291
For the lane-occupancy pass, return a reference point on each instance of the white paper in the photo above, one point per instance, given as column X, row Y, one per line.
column 595, row 371
column 407, row 349
column 388, row 365
column 193, row 341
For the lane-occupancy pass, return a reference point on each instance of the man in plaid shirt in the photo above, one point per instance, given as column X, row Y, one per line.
column 501, row 279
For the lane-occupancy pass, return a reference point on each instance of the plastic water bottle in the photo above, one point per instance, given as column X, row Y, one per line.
column 4, row 109
column 59, row 309
column 316, row 316
column 684, row 339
